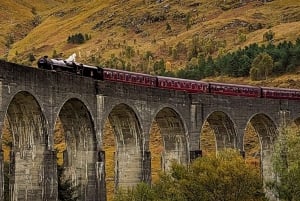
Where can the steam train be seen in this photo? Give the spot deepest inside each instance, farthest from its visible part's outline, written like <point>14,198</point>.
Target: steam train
<point>190,86</point>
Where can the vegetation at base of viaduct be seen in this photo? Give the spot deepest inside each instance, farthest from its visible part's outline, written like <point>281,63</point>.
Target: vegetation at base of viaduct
<point>224,176</point>
<point>66,190</point>
<point>286,160</point>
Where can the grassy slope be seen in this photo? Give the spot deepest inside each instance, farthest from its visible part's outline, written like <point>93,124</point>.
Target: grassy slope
<point>121,18</point>
<point>63,18</point>
<point>16,17</point>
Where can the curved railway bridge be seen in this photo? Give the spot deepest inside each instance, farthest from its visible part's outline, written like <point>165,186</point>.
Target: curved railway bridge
<point>33,101</point>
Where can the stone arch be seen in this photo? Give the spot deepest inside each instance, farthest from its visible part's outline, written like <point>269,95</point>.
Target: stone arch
<point>80,159</point>
<point>174,137</point>
<point>129,144</point>
<point>27,165</point>
<point>267,131</point>
<point>224,130</point>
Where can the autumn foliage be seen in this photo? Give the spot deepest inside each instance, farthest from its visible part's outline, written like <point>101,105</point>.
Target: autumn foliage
<point>220,177</point>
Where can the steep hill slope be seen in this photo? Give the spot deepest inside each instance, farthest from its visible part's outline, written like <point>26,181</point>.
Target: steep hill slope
<point>140,32</point>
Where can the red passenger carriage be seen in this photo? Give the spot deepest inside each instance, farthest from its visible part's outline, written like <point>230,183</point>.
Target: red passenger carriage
<point>129,77</point>
<point>280,93</point>
<point>234,89</point>
<point>191,86</point>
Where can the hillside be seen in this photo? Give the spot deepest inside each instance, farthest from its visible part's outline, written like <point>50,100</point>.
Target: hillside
<point>139,33</point>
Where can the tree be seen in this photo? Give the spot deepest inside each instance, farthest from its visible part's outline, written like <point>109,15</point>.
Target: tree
<point>76,39</point>
<point>193,63</point>
<point>66,190</point>
<point>286,162</point>
<point>159,67</point>
<point>37,19</point>
<point>209,67</point>
<point>9,40</point>
<point>268,36</point>
<point>258,61</point>
<point>168,27</point>
<point>241,37</point>
<point>31,57</point>
<point>33,10</point>
<point>225,177</point>
<point>6,181</point>
<point>54,54</point>
<point>194,47</point>
<point>142,192</point>
<point>129,52</point>
<point>245,65</point>
<point>261,66</point>
<point>87,36</point>
<point>188,21</point>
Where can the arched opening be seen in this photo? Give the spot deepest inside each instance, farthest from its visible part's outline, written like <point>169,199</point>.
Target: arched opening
<point>252,147</point>
<point>126,130</point>
<point>7,165</point>
<point>267,133</point>
<point>207,140</point>
<point>76,145</point>
<point>24,141</point>
<point>217,133</point>
<point>169,125</point>
<point>156,148</point>
<point>110,148</point>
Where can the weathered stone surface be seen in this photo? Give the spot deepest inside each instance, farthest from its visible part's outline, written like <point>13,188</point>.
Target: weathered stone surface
<point>33,100</point>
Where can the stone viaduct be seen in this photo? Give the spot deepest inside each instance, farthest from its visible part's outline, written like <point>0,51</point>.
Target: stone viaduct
<point>32,101</point>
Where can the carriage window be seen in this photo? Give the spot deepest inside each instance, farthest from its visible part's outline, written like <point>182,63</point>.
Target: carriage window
<point>121,76</point>
<point>142,79</point>
<point>108,74</point>
<point>127,77</point>
<point>153,81</point>
<point>115,75</point>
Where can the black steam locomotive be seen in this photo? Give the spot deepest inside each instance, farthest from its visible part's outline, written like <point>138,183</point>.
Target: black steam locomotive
<point>70,65</point>
<point>190,86</point>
